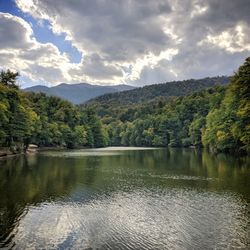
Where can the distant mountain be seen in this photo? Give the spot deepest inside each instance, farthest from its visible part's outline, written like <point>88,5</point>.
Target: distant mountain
<point>156,91</point>
<point>78,93</point>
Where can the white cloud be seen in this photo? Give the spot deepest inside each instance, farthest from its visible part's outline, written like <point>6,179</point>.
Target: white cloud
<point>232,40</point>
<point>21,51</point>
<point>198,10</point>
<point>129,41</point>
<point>128,34</point>
<point>43,61</point>
<point>151,61</point>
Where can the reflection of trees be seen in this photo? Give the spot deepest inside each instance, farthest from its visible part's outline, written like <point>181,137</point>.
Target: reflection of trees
<point>90,172</point>
<point>210,171</point>
<point>37,178</point>
<point>232,173</point>
<point>31,180</point>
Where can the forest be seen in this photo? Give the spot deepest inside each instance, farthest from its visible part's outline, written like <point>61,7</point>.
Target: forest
<point>45,121</point>
<point>154,92</point>
<point>217,118</point>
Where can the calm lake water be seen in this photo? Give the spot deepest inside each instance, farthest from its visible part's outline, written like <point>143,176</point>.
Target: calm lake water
<point>117,198</point>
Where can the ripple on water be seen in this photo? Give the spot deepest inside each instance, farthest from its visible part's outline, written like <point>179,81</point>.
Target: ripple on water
<point>183,177</point>
<point>144,219</point>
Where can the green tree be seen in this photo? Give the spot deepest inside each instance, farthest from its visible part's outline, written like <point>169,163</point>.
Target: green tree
<point>227,127</point>
<point>195,130</point>
<point>81,135</point>
<point>9,78</point>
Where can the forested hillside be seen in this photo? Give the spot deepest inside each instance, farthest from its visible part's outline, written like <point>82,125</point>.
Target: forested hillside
<point>217,118</point>
<point>157,91</point>
<point>177,123</point>
<point>46,121</point>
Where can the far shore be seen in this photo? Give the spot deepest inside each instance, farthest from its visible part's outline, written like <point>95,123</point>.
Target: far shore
<point>7,153</point>
<point>33,149</point>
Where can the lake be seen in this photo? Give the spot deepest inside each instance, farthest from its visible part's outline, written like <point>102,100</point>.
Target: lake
<point>125,198</point>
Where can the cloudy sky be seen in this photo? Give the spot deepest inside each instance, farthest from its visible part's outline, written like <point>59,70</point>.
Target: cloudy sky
<point>136,42</point>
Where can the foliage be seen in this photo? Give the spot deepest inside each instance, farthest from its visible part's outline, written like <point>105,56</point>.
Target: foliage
<point>228,126</point>
<point>217,117</point>
<point>157,92</point>
<point>46,121</point>
<point>177,123</point>
<point>158,115</point>
<point>8,78</point>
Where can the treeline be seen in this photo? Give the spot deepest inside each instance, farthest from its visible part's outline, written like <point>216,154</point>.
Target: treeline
<point>217,118</point>
<point>46,121</point>
<point>177,123</point>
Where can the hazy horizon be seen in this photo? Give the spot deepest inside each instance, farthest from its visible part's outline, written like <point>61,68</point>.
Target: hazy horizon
<point>111,85</point>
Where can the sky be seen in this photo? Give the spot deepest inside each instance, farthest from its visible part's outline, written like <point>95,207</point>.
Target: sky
<point>135,42</point>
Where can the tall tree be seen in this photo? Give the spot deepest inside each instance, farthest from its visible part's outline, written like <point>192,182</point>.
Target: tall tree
<point>9,78</point>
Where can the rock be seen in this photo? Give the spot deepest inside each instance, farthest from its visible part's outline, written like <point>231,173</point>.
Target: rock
<point>32,148</point>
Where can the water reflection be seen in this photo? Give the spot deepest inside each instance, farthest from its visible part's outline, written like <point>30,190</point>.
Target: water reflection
<point>151,199</point>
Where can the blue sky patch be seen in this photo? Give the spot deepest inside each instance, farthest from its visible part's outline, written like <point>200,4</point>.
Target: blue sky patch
<point>43,33</point>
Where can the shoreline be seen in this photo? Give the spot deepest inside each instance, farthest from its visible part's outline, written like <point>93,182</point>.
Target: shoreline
<point>5,153</point>
<point>2,157</point>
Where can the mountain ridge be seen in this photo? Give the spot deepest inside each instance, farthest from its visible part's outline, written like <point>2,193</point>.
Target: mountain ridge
<point>122,94</point>
<point>155,91</point>
<point>78,93</point>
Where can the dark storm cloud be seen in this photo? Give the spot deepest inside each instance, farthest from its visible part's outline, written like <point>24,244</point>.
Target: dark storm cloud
<point>226,13</point>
